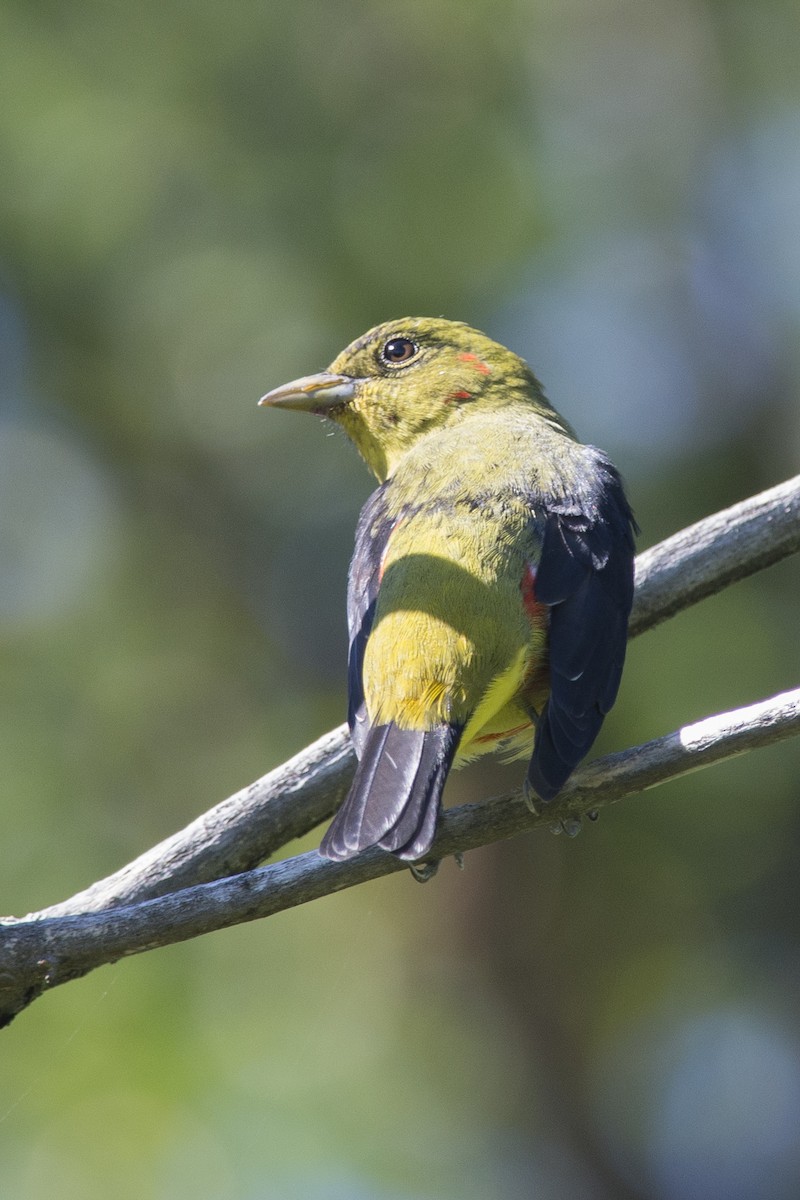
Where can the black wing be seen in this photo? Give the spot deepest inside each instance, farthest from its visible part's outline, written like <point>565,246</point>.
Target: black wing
<point>585,576</point>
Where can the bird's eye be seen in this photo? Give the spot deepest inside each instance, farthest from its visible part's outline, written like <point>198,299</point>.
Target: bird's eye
<point>399,350</point>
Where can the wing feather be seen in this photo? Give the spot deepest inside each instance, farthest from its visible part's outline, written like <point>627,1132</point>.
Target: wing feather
<point>396,794</point>
<point>585,576</point>
<point>372,537</point>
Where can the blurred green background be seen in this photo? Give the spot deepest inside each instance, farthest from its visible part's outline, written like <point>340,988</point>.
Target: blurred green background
<point>197,202</point>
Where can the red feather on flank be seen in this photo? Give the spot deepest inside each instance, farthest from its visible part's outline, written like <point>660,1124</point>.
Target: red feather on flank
<point>533,607</point>
<point>485,738</point>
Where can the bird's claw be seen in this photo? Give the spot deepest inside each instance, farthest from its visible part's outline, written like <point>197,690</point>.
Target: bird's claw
<point>425,870</point>
<point>532,801</point>
<point>571,826</point>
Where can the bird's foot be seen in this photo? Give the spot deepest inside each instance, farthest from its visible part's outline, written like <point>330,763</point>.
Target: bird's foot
<point>571,826</point>
<point>424,870</point>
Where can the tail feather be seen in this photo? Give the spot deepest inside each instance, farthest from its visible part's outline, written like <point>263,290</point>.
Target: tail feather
<point>395,797</point>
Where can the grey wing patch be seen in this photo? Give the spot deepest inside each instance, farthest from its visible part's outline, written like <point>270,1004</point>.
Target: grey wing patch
<point>585,577</point>
<point>372,535</point>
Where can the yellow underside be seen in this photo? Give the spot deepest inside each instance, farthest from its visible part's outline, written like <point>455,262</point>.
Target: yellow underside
<point>499,723</point>
<point>452,640</point>
<point>420,672</point>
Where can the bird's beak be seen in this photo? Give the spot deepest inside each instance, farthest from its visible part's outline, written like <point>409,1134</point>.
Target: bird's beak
<point>313,393</point>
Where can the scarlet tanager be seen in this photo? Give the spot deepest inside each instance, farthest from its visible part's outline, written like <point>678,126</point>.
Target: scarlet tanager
<point>492,579</point>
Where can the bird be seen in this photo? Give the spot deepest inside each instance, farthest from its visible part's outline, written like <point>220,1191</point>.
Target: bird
<point>491,582</point>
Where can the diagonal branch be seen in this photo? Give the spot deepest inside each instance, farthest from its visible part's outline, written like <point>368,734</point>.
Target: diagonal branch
<point>250,826</point>
<point>39,954</point>
<point>706,557</point>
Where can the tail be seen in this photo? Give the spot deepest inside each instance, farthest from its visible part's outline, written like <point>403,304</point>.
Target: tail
<point>396,793</point>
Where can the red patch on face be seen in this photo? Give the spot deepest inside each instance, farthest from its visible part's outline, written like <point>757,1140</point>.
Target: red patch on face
<point>478,364</point>
<point>533,607</point>
<point>460,396</point>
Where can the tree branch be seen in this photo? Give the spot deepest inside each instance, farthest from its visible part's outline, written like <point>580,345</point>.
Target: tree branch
<point>68,939</point>
<point>236,834</point>
<point>719,550</point>
<point>40,953</point>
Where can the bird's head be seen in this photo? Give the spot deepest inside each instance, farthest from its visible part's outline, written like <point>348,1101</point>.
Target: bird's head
<point>404,378</point>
